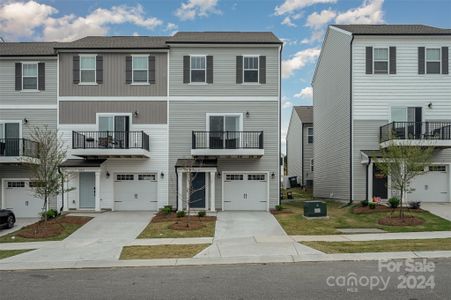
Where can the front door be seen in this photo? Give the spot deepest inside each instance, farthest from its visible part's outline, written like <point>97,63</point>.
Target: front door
<point>87,190</point>
<point>379,183</point>
<point>11,134</point>
<point>197,197</point>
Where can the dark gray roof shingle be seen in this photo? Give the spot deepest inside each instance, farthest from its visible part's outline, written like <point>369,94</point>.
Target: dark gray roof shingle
<point>27,49</point>
<point>402,29</point>
<point>225,37</point>
<point>305,113</point>
<point>117,42</point>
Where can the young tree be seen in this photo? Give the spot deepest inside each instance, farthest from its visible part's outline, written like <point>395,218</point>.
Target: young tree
<point>404,163</point>
<point>49,154</point>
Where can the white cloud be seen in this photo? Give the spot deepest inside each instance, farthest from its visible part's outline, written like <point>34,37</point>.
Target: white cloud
<point>370,12</point>
<point>306,92</point>
<point>286,103</point>
<point>317,20</point>
<point>298,61</point>
<point>317,35</point>
<point>287,21</point>
<point>197,8</point>
<point>14,15</point>
<point>289,6</point>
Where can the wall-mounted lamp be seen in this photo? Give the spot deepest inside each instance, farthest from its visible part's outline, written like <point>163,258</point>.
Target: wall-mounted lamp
<point>430,105</point>
<point>247,114</point>
<point>219,174</point>
<point>162,175</point>
<point>25,121</point>
<point>136,113</point>
<point>273,175</point>
<point>107,174</point>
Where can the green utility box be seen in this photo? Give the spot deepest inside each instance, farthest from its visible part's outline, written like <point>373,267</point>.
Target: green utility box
<point>314,209</point>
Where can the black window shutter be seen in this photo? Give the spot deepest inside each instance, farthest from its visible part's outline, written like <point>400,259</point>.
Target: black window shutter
<point>99,69</point>
<point>445,63</point>
<point>392,60</point>
<point>76,69</point>
<point>239,69</point>
<point>209,69</point>
<point>41,76</point>
<point>128,69</point>
<point>262,71</point>
<point>18,76</point>
<point>186,69</point>
<point>420,60</point>
<point>369,60</point>
<point>152,69</point>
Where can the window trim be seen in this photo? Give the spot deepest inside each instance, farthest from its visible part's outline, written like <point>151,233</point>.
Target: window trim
<point>37,76</point>
<point>406,108</point>
<point>204,69</point>
<point>147,77</point>
<point>387,61</point>
<point>98,115</point>
<point>310,135</point>
<point>426,60</point>
<point>208,115</point>
<point>258,70</point>
<point>95,70</point>
<point>12,121</point>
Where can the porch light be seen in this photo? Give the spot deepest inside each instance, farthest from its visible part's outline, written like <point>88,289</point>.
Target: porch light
<point>25,121</point>
<point>162,175</point>
<point>136,113</point>
<point>273,175</point>
<point>107,174</point>
<point>247,114</point>
<point>430,105</point>
<point>219,174</point>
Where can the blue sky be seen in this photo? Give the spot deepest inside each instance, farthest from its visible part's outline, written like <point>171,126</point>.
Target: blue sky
<point>300,23</point>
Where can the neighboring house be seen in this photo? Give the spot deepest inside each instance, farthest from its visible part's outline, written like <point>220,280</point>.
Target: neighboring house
<point>376,84</point>
<point>300,145</point>
<point>27,100</point>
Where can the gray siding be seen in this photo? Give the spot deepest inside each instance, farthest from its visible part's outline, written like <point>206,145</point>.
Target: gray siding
<point>8,94</point>
<point>35,117</point>
<point>113,78</point>
<point>294,146</point>
<point>84,112</point>
<point>224,73</point>
<point>308,155</point>
<point>331,99</point>
<point>188,116</point>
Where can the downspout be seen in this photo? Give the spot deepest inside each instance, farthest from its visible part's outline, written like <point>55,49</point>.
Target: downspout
<point>62,193</point>
<point>176,189</point>
<point>367,178</point>
<point>302,155</point>
<point>350,124</point>
<point>280,120</point>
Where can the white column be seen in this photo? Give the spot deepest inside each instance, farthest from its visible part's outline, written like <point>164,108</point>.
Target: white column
<point>370,181</point>
<point>188,188</point>
<point>449,182</point>
<point>97,196</point>
<point>212,191</point>
<point>179,191</point>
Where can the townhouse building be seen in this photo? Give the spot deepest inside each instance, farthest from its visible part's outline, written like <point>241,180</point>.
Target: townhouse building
<point>375,85</point>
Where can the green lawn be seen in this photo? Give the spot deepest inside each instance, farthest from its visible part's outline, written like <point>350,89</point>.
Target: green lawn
<point>9,253</point>
<point>382,246</point>
<point>342,217</point>
<point>298,193</point>
<point>162,230</point>
<point>161,251</point>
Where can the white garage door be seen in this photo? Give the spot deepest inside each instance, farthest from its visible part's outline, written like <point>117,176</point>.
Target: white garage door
<point>135,191</point>
<point>431,186</point>
<point>245,191</point>
<point>19,198</point>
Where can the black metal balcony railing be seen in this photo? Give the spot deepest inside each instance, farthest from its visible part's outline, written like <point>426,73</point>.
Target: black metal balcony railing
<point>227,140</point>
<point>18,147</point>
<point>415,131</point>
<point>110,140</point>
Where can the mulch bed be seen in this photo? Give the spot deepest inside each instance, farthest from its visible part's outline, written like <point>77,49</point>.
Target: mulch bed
<point>379,208</point>
<point>397,221</point>
<point>53,227</point>
<point>162,217</point>
<point>281,212</point>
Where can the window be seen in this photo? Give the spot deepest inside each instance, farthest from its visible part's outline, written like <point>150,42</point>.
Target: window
<point>437,168</point>
<point>310,135</point>
<point>234,177</point>
<point>198,68</point>
<point>34,184</point>
<point>140,69</point>
<point>125,177</point>
<point>87,68</point>
<point>311,165</point>
<point>258,177</point>
<point>29,76</point>
<point>151,177</point>
<point>16,184</point>
<point>224,131</point>
<point>433,61</point>
<point>380,60</point>
<point>250,69</point>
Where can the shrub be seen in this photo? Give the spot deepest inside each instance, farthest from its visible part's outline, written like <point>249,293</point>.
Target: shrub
<point>168,207</point>
<point>166,210</point>
<point>202,214</point>
<point>372,205</point>
<point>414,204</point>
<point>51,213</point>
<point>394,202</point>
<point>279,207</point>
<point>364,203</point>
<point>181,214</point>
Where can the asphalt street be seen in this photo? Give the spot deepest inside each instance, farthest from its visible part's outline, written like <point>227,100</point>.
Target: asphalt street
<point>401,279</point>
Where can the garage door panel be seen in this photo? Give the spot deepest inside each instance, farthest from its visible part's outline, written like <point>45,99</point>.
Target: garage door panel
<point>135,192</point>
<point>244,191</point>
<point>19,198</point>
<point>430,187</point>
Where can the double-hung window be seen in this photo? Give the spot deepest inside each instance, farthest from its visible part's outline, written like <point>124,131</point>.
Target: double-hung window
<point>29,76</point>
<point>433,61</point>
<point>87,69</point>
<point>250,69</point>
<point>380,60</point>
<point>140,69</point>
<point>198,68</point>
<point>310,135</point>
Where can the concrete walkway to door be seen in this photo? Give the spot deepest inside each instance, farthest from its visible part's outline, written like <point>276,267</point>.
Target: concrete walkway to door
<point>249,233</point>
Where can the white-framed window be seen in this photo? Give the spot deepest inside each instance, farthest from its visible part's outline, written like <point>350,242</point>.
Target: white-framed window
<point>310,135</point>
<point>29,76</point>
<point>87,69</point>
<point>10,129</point>
<point>233,177</point>
<point>16,184</point>
<point>380,60</point>
<point>140,68</point>
<point>437,168</point>
<point>250,69</point>
<point>256,177</point>
<point>150,177</point>
<point>433,61</point>
<point>311,165</point>
<point>198,68</point>
<point>125,177</point>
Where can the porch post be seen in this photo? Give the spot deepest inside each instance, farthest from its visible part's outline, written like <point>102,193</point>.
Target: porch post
<point>370,182</point>
<point>449,182</point>
<point>212,191</point>
<point>179,191</point>
<point>97,195</point>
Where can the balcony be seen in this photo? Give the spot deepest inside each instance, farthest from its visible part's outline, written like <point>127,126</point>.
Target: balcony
<point>14,150</point>
<point>423,134</point>
<point>236,144</point>
<point>109,144</point>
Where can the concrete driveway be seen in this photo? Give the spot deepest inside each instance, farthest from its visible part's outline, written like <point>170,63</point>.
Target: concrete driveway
<point>20,222</point>
<point>442,210</point>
